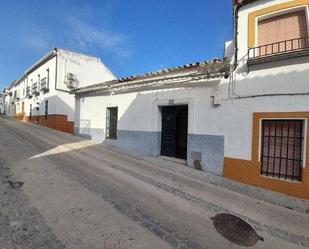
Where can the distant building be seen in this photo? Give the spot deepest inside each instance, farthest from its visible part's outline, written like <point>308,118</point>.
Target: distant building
<point>42,96</point>
<point>244,117</point>
<point>1,104</point>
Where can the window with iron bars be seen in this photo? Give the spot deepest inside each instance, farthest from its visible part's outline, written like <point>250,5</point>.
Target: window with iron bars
<point>282,143</point>
<point>111,122</point>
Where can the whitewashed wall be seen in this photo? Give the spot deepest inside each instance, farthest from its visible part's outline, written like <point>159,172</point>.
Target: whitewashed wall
<point>139,121</point>
<point>50,95</point>
<point>87,69</point>
<point>289,76</point>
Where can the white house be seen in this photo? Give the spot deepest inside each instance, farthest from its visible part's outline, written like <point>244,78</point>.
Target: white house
<point>41,95</point>
<point>266,121</point>
<point>1,103</point>
<point>7,102</point>
<point>245,117</point>
<point>141,113</point>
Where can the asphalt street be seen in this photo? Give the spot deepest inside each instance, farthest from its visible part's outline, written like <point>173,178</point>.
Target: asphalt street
<point>90,196</point>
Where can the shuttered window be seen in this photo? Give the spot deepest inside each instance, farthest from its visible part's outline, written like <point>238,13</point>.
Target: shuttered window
<point>111,122</point>
<point>283,31</point>
<point>282,149</point>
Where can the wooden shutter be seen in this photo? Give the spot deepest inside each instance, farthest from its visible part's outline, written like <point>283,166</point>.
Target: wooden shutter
<point>281,30</point>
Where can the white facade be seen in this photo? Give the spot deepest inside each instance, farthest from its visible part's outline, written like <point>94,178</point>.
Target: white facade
<point>222,112</point>
<point>279,86</point>
<point>51,75</point>
<point>140,112</point>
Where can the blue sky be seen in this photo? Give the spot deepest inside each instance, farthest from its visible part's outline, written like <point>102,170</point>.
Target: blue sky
<point>130,37</point>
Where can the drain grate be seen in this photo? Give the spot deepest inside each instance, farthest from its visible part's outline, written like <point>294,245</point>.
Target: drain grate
<point>236,230</point>
<point>15,185</point>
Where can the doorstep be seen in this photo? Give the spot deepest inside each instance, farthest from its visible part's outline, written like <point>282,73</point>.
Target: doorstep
<point>173,159</point>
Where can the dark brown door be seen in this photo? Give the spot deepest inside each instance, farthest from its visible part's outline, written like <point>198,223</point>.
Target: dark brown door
<point>182,133</point>
<point>174,131</point>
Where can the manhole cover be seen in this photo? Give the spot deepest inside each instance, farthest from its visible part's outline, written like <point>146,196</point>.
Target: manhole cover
<point>236,230</point>
<point>16,185</point>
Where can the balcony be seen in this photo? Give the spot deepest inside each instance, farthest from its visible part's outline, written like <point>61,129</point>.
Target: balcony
<point>280,50</point>
<point>44,84</point>
<point>35,89</point>
<point>16,95</point>
<point>28,92</point>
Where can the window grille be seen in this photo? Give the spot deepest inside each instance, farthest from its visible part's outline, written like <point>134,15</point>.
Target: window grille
<point>111,122</point>
<point>282,149</point>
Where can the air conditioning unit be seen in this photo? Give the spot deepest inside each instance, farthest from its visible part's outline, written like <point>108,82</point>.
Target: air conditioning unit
<point>70,81</point>
<point>217,99</point>
<point>70,76</point>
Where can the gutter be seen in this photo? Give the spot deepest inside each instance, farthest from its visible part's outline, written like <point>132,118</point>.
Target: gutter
<point>49,56</point>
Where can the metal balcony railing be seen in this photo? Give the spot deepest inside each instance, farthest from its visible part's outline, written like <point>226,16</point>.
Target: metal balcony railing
<point>44,84</point>
<point>282,47</point>
<point>28,91</point>
<point>16,95</point>
<point>35,88</point>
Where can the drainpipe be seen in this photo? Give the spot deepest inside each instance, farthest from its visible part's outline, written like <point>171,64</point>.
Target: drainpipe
<point>235,64</point>
<point>236,16</point>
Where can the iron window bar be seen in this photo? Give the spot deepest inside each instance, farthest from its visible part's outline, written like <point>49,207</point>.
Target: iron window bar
<point>281,155</point>
<point>44,85</point>
<point>35,88</point>
<point>111,122</point>
<point>287,46</point>
<point>28,91</point>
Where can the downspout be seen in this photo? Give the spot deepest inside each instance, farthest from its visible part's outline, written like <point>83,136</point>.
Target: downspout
<point>233,69</point>
<point>236,16</point>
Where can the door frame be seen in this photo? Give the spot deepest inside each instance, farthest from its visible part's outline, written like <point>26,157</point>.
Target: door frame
<point>158,103</point>
<point>178,104</point>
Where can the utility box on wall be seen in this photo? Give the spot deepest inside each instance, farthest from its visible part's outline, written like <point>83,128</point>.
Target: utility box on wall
<point>217,99</point>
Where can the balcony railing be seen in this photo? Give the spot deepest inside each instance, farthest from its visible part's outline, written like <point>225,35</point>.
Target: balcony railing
<point>28,91</point>
<point>35,89</point>
<point>44,84</point>
<point>16,95</point>
<point>279,48</point>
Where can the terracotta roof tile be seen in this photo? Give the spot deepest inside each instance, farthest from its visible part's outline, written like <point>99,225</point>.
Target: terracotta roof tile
<point>210,67</point>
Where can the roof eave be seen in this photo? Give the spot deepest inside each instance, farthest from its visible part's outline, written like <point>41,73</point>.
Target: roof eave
<point>43,60</point>
<point>212,73</point>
